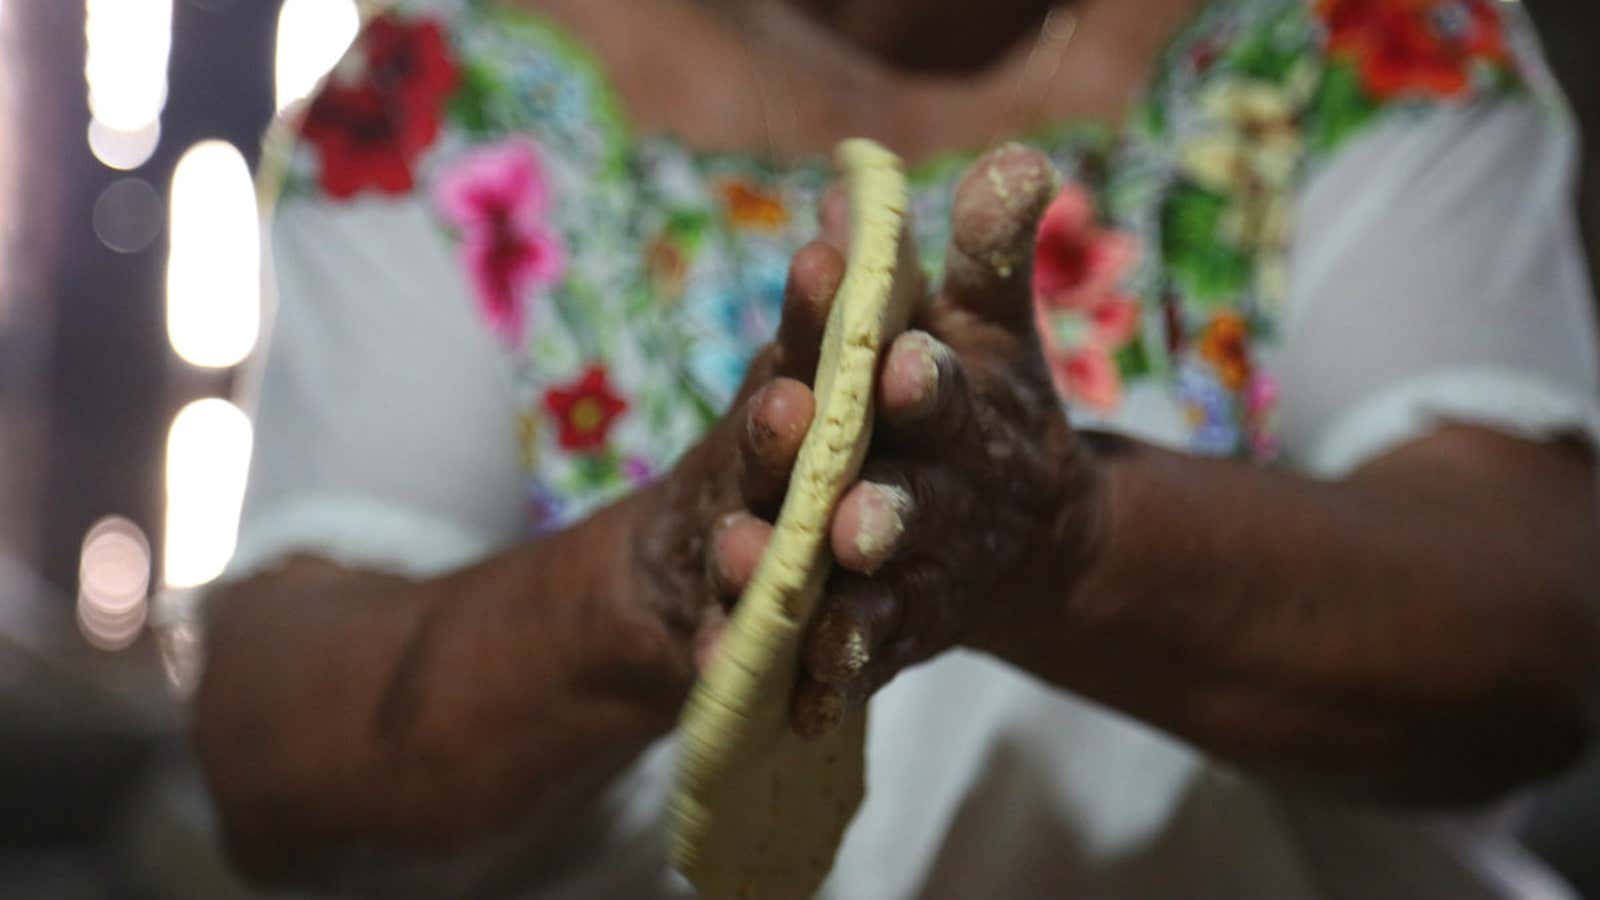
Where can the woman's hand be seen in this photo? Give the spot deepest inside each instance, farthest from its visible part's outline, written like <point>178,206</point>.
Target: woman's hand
<point>977,503</point>
<point>739,469</point>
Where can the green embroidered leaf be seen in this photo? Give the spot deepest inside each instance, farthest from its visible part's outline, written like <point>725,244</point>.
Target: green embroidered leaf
<point>1153,116</point>
<point>469,106</point>
<point>1261,56</point>
<point>688,227</point>
<point>1208,270</point>
<point>598,469</point>
<point>1340,108</point>
<point>1503,79</point>
<point>1132,360</point>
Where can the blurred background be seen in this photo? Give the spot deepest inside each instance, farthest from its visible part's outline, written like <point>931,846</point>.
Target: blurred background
<point>129,262</point>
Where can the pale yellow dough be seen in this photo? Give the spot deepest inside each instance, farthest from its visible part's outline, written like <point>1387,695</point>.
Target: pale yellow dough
<point>756,811</point>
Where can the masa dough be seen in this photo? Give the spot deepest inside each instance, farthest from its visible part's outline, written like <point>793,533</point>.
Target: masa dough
<point>758,812</point>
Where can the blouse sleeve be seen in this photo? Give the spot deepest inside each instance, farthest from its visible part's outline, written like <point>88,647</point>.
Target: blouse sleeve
<point>384,422</point>
<point>1437,276</point>
<point>385,417</point>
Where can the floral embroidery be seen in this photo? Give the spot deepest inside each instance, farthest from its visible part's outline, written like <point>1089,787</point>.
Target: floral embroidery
<point>1240,169</point>
<point>370,130</point>
<point>1082,316</point>
<point>749,207</point>
<point>667,267</point>
<point>1226,345</point>
<point>1260,414</point>
<point>1414,47</point>
<point>638,470</point>
<point>585,410</point>
<point>528,439</point>
<point>1210,409</point>
<point>632,307</point>
<point>498,199</point>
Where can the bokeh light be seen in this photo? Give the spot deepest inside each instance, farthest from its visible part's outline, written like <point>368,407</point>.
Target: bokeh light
<point>214,262</point>
<point>113,583</point>
<point>208,457</point>
<point>127,215</point>
<point>129,43</point>
<point>312,36</point>
<point>123,150</point>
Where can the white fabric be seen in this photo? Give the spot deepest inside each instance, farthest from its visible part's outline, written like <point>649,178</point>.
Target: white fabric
<point>386,429</point>
<point>1436,277</point>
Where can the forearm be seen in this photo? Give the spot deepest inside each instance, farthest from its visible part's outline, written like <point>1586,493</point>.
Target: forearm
<point>1413,633</point>
<point>346,711</point>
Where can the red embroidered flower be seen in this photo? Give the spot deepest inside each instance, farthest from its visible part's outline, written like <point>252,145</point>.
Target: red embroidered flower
<point>1414,47</point>
<point>585,410</point>
<point>369,131</point>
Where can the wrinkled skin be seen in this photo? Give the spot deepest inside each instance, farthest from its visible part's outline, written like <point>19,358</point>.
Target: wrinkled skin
<point>976,501</point>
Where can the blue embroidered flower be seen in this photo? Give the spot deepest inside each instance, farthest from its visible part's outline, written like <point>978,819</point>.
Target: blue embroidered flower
<point>727,326</point>
<point>1210,408</point>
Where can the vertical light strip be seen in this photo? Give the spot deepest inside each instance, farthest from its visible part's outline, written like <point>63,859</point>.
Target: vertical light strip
<point>129,43</point>
<point>312,36</point>
<point>208,458</point>
<point>214,266</point>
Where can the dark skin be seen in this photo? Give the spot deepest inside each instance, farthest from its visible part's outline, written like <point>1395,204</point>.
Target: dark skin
<point>1422,632</point>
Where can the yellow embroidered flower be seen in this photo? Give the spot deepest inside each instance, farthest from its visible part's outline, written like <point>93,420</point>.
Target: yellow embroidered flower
<point>1255,140</point>
<point>528,440</point>
<point>1248,156</point>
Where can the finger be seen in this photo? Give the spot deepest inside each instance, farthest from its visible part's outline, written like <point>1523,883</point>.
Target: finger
<point>857,619</point>
<point>816,710</point>
<point>737,542</point>
<point>833,215</point>
<point>814,277</point>
<point>926,397</point>
<point>869,525</point>
<point>989,264</point>
<point>901,516</point>
<point>708,638</point>
<point>922,383</point>
<point>776,421</point>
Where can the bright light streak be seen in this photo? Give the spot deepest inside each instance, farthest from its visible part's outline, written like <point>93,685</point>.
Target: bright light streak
<point>312,36</point>
<point>214,264</point>
<point>113,583</point>
<point>208,457</point>
<point>129,42</point>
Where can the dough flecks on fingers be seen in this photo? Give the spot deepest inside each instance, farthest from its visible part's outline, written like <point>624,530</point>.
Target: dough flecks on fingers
<point>756,811</point>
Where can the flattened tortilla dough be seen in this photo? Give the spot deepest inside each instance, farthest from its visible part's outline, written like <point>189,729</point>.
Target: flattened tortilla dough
<point>756,811</point>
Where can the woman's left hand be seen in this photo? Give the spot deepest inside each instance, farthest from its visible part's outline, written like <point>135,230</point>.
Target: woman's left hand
<point>978,505</point>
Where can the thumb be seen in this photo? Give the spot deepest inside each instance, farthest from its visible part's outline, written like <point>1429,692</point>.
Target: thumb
<point>989,264</point>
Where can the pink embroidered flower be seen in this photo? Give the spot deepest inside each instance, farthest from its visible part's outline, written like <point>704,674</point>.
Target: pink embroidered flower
<point>498,197</point>
<point>1261,407</point>
<point>1082,314</point>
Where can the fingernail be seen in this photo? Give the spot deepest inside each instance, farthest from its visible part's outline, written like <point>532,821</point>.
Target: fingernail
<point>841,650</point>
<point>716,573</point>
<point>927,355</point>
<point>884,509</point>
<point>761,433</point>
<point>928,368</point>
